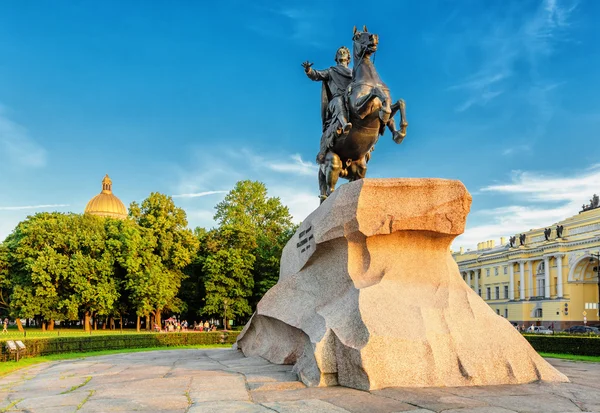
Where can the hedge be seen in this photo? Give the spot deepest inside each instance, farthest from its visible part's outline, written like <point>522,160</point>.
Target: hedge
<point>55,345</point>
<point>579,345</point>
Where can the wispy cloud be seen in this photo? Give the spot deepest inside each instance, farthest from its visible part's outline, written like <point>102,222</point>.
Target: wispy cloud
<point>539,200</point>
<point>16,146</point>
<point>44,206</point>
<point>515,44</point>
<point>295,166</point>
<point>198,194</point>
<point>516,149</point>
<point>305,25</point>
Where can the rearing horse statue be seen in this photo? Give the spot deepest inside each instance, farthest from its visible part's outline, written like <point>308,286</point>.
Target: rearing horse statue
<point>370,112</point>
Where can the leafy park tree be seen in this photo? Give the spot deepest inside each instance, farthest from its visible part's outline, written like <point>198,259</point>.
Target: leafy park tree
<point>175,247</point>
<point>248,209</point>
<point>59,268</point>
<point>227,269</point>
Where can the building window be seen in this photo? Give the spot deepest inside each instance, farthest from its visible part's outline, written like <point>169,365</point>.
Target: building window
<point>541,287</point>
<point>495,270</point>
<point>506,291</point>
<point>538,313</point>
<point>489,293</point>
<point>505,270</point>
<point>479,292</point>
<point>497,293</point>
<point>487,272</point>
<point>498,311</point>
<point>506,313</point>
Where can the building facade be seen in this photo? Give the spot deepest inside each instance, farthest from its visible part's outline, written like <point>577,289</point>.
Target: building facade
<point>545,276</point>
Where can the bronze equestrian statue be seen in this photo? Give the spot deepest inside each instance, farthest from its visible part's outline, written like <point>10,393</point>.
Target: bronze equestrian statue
<point>355,112</point>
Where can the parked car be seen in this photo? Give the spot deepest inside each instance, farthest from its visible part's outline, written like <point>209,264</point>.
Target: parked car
<point>539,330</point>
<point>582,330</point>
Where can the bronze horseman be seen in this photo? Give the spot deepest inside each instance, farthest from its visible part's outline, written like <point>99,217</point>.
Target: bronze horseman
<point>355,112</point>
<point>334,113</point>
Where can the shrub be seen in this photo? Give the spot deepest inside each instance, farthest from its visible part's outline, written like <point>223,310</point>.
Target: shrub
<point>55,345</point>
<point>579,345</point>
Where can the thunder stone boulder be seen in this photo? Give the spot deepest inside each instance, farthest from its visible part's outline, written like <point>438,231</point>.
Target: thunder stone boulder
<point>369,297</point>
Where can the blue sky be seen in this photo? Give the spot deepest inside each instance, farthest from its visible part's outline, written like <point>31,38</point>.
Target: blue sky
<point>187,98</point>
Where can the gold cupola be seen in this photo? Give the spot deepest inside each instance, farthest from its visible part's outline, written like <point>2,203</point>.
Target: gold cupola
<point>106,204</point>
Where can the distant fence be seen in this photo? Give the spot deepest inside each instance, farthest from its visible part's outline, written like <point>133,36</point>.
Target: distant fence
<point>57,345</point>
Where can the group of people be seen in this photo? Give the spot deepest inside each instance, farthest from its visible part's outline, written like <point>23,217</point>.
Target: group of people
<point>204,326</point>
<point>176,326</point>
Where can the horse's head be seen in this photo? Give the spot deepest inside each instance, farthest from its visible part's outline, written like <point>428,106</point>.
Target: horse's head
<point>365,43</point>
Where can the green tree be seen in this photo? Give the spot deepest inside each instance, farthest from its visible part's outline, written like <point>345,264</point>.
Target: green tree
<point>175,247</point>
<point>249,209</point>
<point>228,276</point>
<point>59,268</point>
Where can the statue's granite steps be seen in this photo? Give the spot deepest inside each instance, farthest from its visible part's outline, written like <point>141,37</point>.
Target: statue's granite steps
<point>369,297</point>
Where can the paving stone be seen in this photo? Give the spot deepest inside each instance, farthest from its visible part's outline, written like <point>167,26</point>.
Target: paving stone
<point>366,402</point>
<point>228,407</point>
<point>436,399</point>
<point>304,406</point>
<point>221,380</point>
<point>545,403</point>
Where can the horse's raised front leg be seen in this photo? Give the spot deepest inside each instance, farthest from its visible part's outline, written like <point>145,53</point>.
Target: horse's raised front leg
<point>398,135</point>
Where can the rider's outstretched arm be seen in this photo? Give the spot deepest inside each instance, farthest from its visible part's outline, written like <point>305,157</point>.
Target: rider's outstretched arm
<point>318,74</point>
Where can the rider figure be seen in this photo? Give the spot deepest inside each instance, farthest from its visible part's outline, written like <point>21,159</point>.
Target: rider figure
<point>335,80</point>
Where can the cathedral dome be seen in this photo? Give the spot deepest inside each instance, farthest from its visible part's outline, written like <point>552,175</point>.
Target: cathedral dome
<point>106,204</point>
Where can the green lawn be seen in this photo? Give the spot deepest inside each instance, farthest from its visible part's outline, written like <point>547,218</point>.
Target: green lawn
<point>14,334</point>
<point>574,357</point>
<point>10,366</point>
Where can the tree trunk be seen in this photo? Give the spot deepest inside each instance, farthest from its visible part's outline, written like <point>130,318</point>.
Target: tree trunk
<point>148,322</point>
<point>138,324</point>
<point>20,325</point>
<point>26,323</point>
<point>86,322</point>
<point>51,325</point>
<point>43,326</point>
<point>104,323</point>
<point>95,323</point>
<point>121,321</point>
<point>159,318</point>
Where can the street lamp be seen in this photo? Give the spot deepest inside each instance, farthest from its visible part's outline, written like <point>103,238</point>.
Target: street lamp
<point>597,257</point>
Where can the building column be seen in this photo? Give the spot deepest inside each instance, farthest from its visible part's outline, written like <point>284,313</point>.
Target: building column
<point>522,279</point>
<point>531,286</point>
<point>511,281</point>
<point>475,273</point>
<point>547,277</point>
<point>559,279</point>
<point>469,278</point>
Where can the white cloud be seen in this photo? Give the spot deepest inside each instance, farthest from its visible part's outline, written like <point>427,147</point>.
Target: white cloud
<point>507,45</point>
<point>300,201</point>
<point>43,206</point>
<point>198,194</point>
<point>542,200</point>
<point>295,166</point>
<point>17,146</point>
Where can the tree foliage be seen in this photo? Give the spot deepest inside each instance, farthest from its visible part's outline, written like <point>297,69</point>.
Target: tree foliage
<point>243,254</point>
<point>174,247</point>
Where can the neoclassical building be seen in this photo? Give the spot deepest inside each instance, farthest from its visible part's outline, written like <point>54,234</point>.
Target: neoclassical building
<point>545,276</point>
<point>106,204</point>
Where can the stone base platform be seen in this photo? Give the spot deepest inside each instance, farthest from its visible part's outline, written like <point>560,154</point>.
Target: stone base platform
<point>224,381</point>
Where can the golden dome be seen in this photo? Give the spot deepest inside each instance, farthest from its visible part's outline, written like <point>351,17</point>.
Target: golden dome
<point>106,204</point>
